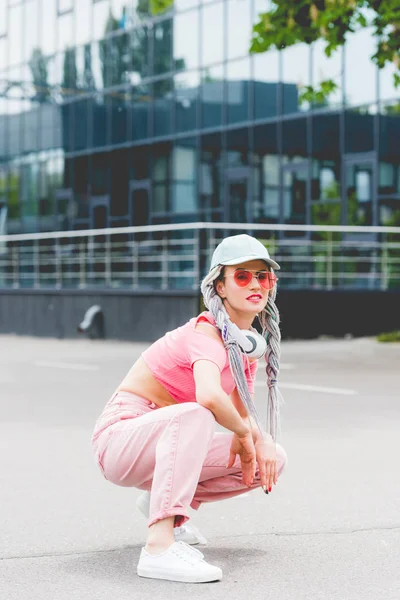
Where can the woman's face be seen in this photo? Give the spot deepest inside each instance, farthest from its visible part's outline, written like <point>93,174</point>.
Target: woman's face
<point>249,300</point>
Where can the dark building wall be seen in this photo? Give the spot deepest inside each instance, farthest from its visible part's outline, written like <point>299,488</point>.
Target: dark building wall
<point>136,317</point>
<point>144,317</point>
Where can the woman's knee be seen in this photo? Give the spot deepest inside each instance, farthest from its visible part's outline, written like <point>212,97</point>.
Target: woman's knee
<point>198,415</point>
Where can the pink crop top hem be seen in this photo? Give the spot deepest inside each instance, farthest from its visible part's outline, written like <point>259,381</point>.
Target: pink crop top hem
<point>171,360</point>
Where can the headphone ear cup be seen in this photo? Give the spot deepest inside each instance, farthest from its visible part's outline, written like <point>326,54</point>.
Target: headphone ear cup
<point>251,342</point>
<point>258,342</point>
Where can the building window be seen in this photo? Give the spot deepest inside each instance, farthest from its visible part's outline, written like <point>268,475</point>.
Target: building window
<point>3,18</point>
<point>184,175</point>
<point>64,6</point>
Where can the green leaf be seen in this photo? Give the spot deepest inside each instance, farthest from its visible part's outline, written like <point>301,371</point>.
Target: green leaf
<point>160,6</point>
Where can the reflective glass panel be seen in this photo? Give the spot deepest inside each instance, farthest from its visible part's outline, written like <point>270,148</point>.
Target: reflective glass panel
<point>185,4</point>
<point>3,17</point>
<point>295,76</point>
<point>140,98</point>
<point>186,40</point>
<point>210,187</point>
<point>212,96</point>
<point>31,28</point>
<point>213,32</point>
<point>65,35</point>
<point>163,106</point>
<point>15,35</point>
<point>83,18</point>
<point>162,47</point>
<point>117,116</point>
<point>48,22</point>
<point>324,69</point>
<point>266,78</point>
<point>267,207</point>
<point>389,95</point>
<point>184,173</point>
<point>359,189</point>
<point>98,64</point>
<point>239,28</point>
<point>237,90</point>
<point>65,5</point>
<point>358,131</point>
<point>360,71</point>
<point>3,54</point>
<point>102,21</point>
<point>139,56</point>
<point>186,100</point>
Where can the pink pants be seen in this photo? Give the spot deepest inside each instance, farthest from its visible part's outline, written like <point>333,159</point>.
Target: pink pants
<point>172,451</point>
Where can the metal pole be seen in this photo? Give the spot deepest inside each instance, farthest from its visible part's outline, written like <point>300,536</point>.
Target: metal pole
<point>329,266</point>
<point>82,264</point>
<point>107,262</point>
<point>36,264</point>
<point>164,264</point>
<point>197,249</point>
<point>15,262</point>
<point>58,264</point>
<point>135,264</point>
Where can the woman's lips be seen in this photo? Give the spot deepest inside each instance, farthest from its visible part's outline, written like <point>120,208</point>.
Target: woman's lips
<point>256,298</point>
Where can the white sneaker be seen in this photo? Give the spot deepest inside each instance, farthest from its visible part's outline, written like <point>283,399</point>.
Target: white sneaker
<point>187,533</point>
<point>179,563</point>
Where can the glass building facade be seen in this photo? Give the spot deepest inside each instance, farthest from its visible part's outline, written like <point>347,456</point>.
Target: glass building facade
<point>109,117</point>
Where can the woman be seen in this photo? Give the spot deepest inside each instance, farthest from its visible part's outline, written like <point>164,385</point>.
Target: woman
<point>157,432</point>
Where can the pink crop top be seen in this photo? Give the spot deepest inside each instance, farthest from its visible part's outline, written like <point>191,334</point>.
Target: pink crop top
<point>171,360</point>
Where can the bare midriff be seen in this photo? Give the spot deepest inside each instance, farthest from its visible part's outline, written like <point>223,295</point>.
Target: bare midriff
<point>141,381</point>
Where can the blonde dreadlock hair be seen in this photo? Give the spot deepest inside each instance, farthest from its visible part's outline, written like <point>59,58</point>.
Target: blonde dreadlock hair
<point>269,321</point>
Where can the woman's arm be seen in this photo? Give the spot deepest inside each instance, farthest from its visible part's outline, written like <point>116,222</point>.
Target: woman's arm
<point>210,394</point>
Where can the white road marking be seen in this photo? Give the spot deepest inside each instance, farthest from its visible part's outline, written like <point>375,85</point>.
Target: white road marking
<point>312,388</point>
<point>62,365</point>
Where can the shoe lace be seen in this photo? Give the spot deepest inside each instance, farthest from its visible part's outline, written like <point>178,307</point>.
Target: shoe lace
<point>191,555</point>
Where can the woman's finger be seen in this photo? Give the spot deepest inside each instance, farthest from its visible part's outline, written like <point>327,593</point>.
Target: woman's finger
<point>268,473</point>
<point>263,473</point>
<point>231,461</point>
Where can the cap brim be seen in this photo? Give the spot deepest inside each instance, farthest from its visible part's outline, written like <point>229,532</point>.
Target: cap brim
<point>242,259</point>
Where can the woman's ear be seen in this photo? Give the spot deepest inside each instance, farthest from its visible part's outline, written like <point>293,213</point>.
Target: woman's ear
<point>219,287</point>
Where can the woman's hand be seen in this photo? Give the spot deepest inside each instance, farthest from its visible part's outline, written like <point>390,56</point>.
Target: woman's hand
<point>244,447</point>
<point>266,460</point>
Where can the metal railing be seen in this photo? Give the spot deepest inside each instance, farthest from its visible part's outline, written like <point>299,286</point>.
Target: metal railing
<point>176,257</point>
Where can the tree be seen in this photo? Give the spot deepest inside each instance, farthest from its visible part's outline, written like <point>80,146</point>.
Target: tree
<point>290,22</point>
<point>306,21</point>
<point>38,65</point>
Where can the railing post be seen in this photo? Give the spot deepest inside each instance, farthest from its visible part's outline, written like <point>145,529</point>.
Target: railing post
<point>58,263</point>
<point>329,266</point>
<point>15,263</point>
<point>82,264</point>
<point>135,264</point>
<point>164,263</point>
<point>91,260</point>
<point>107,261</point>
<point>384,264</point>
<point>36,266</point>
<point>197,255</point>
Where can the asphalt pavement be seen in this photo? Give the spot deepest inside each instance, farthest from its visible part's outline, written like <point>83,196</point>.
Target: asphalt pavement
<point>329,531</point>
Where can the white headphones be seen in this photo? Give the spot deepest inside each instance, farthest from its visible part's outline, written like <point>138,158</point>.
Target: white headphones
<point>250,341</point>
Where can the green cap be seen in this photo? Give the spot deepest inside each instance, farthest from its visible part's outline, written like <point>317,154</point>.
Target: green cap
<point>237,249</point>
